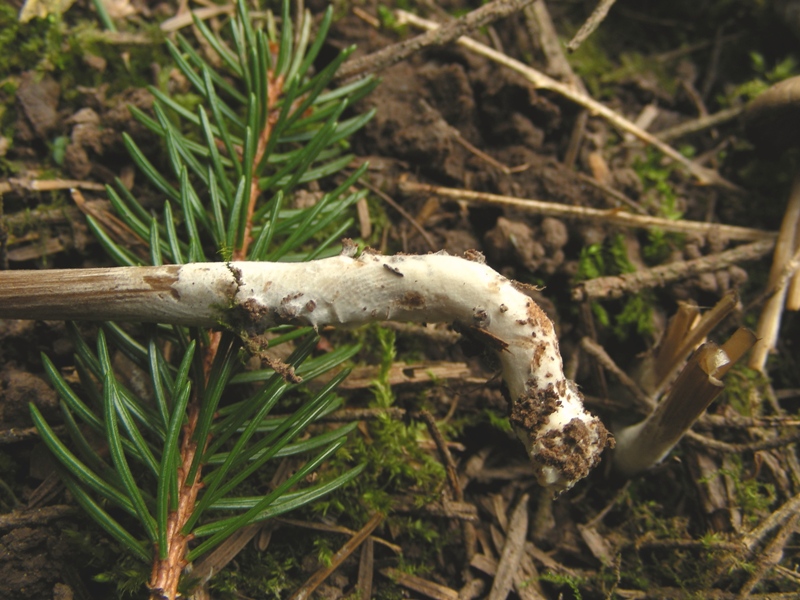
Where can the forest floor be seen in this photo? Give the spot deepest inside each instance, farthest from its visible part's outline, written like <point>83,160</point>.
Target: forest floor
<point>716,519</point>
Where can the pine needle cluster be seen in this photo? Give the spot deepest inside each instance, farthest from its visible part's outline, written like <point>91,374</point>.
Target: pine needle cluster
<point>160,471</point>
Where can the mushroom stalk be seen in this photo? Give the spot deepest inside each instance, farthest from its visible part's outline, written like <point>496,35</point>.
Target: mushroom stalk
<point>563,441</point>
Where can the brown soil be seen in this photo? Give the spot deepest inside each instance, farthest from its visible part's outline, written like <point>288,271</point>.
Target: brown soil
<point>671,533</point>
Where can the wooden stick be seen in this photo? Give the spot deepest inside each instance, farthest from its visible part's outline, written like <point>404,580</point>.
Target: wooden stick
<point>386,57</point>
<point>616,286</point>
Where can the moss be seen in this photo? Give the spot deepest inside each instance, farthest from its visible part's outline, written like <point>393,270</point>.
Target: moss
<point>754,497</point>
<point>633,65</point>
<point>764,77</point>
<point>31,45</point>
<point>743,388</point>
<point>631,316</point>
<point>562,583</point>
<point>396,464</point>
<point>272,574</point>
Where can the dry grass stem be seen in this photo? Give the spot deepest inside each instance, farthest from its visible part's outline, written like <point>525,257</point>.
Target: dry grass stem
<point>790,274</point>
<point>696,335</point>
<point>223,554</point>
<point>37,516</point>
<point>366,569</point>
<point>596,351</point>
<point>614,217</point>
<point>770,320</point>
<point>47,185</point>
<point>698,384</point>
<point>336,529</point>
<point>541,81</point>
<point>21,434</point>
<point>184,19</point>
<point>642,445</point>
<point>427,588</point>
<point>617,286</point>
<point>403,213</point>
<point>699,124</point>
<point>344,552</point>
<point>541,28</point>
<point>444,453</point>
<point>709,443</point>
<point>512,553</point>
<point>677,329</point>
<point>770,556</point>
<point>612,193</point>
<point>736,347</point>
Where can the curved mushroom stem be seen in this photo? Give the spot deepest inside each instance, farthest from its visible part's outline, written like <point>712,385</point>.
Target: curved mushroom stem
<point>770,320</point>
<point>562,439</point>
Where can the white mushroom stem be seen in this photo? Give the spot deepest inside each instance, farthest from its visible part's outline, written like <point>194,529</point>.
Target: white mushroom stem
<point>562,439</point>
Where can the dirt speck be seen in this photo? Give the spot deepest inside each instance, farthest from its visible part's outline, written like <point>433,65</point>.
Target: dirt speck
<point>38,98</point>
<point>18,389</point>
<point>412,300</point>
<point>26,563</point>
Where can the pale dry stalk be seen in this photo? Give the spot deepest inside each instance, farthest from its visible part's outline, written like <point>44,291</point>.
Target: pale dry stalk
<point>793,295</point>
<point>614,217</point>
<point>646,443</point>
<point>393,54</point>
<point>770,320</point>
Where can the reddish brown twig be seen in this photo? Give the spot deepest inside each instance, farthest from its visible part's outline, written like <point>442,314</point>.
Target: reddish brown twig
<point>166,573</point>
<point>275,87</point>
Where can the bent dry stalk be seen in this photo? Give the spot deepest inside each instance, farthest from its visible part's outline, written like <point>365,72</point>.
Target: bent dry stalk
<point>563,441</point>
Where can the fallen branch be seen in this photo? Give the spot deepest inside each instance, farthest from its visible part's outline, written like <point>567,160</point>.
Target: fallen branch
<point>562,439</point>
<point>699,124</point>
